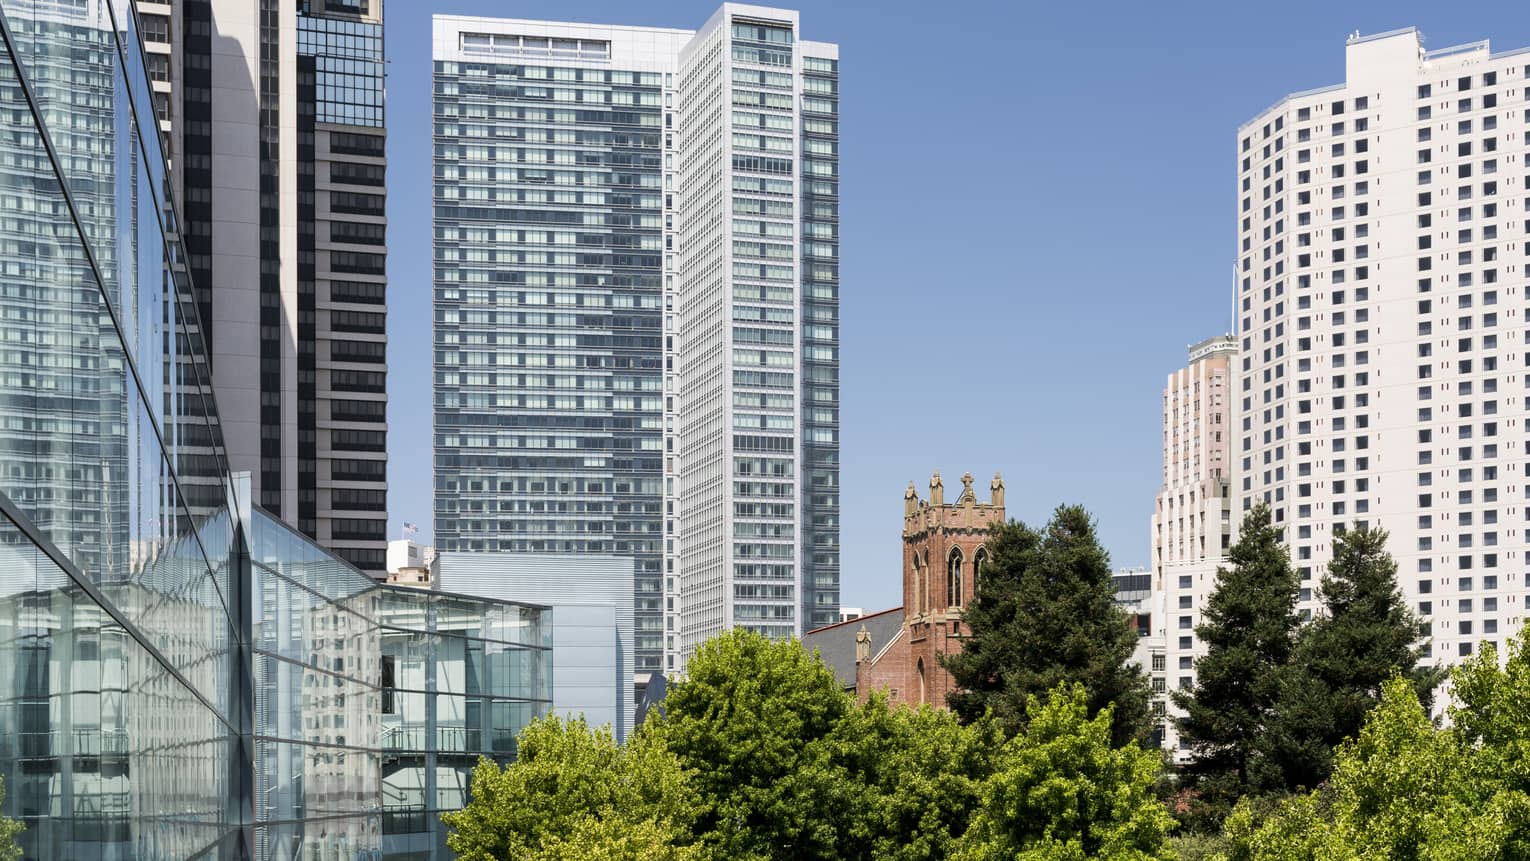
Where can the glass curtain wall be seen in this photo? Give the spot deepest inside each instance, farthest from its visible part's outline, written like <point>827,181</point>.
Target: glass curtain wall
<point>121,644</point>
<point>820,341</point>
<point>374,702</point>
<point>178,680</point>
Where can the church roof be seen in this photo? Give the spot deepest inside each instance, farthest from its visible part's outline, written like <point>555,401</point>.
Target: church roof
<point>836,643</point>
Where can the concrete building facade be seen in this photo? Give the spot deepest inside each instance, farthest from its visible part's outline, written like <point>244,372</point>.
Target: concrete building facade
<point>758,401</point>
<point>1382,325</point>
<point>274,114</point>
<point>1193,516</point>
<point>1144,602</point>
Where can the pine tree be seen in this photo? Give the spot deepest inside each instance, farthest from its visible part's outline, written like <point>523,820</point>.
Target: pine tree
<point>1364,635</point>
<point>1046,615</point>
<point>1249,629</point>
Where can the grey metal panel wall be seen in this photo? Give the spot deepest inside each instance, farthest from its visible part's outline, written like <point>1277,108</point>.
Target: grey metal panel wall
<point>592,658</point>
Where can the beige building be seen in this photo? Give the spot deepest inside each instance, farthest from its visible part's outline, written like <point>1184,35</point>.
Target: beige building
<point>1192,518</point>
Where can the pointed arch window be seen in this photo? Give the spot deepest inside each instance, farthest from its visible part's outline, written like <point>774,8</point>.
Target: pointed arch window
<point>924,581</point>
<point>954,578</point>
<point>979,562</point>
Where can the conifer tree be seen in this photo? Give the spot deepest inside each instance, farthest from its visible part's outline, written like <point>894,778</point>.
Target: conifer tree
<point>1249,627</point>
<point>1363,636</point>
<point>1045,615</point>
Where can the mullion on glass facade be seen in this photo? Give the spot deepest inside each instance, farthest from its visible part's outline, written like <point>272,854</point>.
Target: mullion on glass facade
<point>173,659</point>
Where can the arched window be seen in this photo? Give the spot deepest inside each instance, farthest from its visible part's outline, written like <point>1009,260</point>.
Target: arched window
<point>922,697</point>
<point>954,578</point>
<point>979,562</point>
<point>924,581</point>
<point>918,584</point>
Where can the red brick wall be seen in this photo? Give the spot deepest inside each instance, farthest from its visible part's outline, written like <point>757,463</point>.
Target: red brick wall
<point>887,673</point>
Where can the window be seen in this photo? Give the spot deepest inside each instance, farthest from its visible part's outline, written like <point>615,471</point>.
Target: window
<point>357,174</point>
<point>156,28</point>
<point>954,578</point>
<point>356,144</point>
<point>358,233</point>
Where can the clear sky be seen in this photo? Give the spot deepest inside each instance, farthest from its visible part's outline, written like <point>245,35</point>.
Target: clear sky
<point>1037,218</point>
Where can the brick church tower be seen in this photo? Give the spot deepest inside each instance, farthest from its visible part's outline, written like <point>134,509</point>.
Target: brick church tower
<point>943,558</point>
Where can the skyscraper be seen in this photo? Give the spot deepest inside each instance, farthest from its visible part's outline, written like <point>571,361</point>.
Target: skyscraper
<point>1192,519</point>
<point>602,242</point>
<point>758,192</point>
<point>1381,324</point>
<point>275,116</point>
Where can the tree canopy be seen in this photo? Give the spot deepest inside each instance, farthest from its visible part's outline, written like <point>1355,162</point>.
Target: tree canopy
<point>1406,788</point>
<point>1248,627</point>
<point>760,755</point>
<point>1045,615</point>
<point>572,789</point>
<point>1062,792</point>
<point>1364,635</point>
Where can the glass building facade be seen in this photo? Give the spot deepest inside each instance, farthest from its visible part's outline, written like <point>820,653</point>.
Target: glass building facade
<point>758,299</point>
<point>637,311</point>
<point>373,703</point>
<point>548,276</point>
<point>820,337</point>
<point>182,676</point>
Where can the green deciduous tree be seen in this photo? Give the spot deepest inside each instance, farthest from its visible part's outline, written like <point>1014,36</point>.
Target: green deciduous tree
<point>1044,615</point>
<point>1062,791</point>
<point>10,829</point>
<point>750,720</point>
<point>572,793</point>
<point>759,755</point>
<point>1407,789</point>
<point>921,775</point>
<point>1249,629</point>
<point>1364,635</point>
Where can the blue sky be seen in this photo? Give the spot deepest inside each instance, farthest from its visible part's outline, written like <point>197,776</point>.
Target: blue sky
<point>1037,218</point>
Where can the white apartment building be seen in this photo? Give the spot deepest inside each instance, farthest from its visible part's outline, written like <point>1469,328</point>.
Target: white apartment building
<point>1141,597</point>
<point>1381,373</point>
<point>1192,518</point>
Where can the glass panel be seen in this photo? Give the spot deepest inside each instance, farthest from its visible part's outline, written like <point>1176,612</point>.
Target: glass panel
<point>104,754</point>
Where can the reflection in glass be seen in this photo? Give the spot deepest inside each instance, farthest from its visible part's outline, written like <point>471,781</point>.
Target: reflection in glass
<point>169,667</point>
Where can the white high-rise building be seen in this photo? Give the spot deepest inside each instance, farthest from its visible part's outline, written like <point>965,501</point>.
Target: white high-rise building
<point>1382,328</point>
<point>757,306</point>
<point>636,311</point>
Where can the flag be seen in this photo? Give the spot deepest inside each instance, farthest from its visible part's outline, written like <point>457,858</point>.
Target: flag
<point>410,528</point>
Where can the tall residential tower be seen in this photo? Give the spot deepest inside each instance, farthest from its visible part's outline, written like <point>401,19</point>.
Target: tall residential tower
<point>1382,324</point>
<point>636,311</point>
